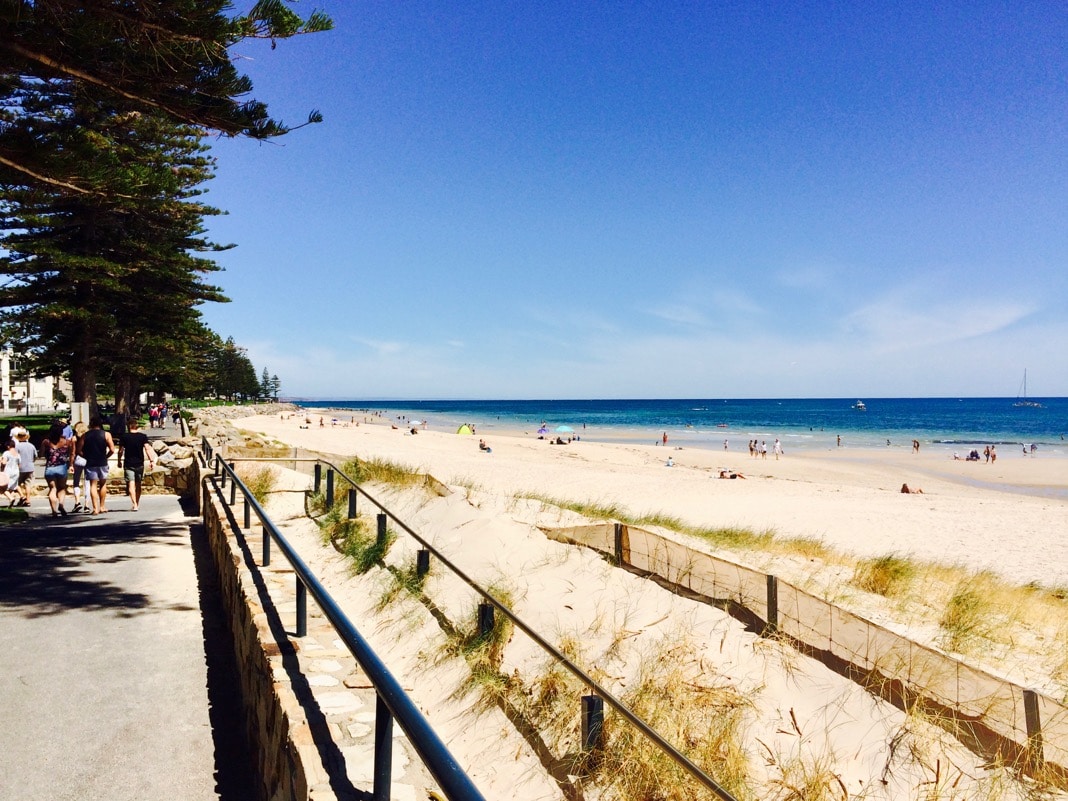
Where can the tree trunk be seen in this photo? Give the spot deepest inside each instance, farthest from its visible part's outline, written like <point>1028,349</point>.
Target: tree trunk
<point>123,388</point>
<point>83,384</point>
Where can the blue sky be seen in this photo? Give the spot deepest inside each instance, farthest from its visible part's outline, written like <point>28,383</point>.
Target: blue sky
<point>682,199</point>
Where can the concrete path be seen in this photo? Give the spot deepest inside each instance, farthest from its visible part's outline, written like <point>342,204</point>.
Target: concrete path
<point>114,681</point>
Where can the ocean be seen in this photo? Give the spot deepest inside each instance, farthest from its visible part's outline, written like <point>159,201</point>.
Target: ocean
<point>950,424</point>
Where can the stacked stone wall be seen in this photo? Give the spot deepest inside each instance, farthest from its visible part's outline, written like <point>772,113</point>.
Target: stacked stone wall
<point>273,717</point>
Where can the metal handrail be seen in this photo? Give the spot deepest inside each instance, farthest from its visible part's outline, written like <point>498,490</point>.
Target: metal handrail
<point>452,779</point>
<point>678,757</point>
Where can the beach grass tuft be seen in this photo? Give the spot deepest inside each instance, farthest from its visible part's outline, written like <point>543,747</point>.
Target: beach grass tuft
<point>383,471</point>
<point>357,538</point>
<point>704,718</point>
<point>260,481</point>
<point>968,613</point>
<point>484,651</point>
<point>407,580</point>
<point>889,576</point>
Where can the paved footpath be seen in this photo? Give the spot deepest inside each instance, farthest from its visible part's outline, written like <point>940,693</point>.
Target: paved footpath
<point>113,680</point>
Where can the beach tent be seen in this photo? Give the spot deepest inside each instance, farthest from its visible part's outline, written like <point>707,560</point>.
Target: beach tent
<point>565,429</point>
<point>464,429</point>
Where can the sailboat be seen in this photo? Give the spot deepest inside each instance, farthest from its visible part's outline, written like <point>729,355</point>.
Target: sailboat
<point>1021,399</point>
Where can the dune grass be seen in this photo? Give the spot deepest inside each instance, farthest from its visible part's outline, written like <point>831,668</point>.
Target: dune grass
<point>703,717</point>
<point>889,576</point>
<point>383,471</point>
<point>974,612</point>
<point>260,481</point>
<point>357,538</point>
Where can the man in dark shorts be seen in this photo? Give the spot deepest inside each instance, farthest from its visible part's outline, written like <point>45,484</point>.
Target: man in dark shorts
<point>134,451</point>
<point>96,446</point>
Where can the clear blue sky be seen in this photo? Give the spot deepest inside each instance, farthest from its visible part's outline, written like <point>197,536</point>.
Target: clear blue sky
<point>646,199</point>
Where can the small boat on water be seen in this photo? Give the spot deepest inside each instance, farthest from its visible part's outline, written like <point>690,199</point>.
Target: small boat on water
<point>1021,399</point>
<point>859,406</point>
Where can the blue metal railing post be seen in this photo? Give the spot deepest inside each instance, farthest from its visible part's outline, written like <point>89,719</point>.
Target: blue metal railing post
<point>422,562</point>
<point>302,608</point>
<point>233,492</point>
<point>592,722</point>
<point>485,619</point>
<point>382,531</point>
<point>248,514</point>
<point>352,504</point>
<point>266,560</point>
<point>329,488</point>
<point>383,767</point>
<point>318,478</point>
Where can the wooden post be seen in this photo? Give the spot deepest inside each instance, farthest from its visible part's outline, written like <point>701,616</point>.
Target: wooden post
<point>773,603</point>
<point>1035,758</point>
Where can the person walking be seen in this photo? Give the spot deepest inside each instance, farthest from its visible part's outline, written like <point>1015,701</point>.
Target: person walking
<point>10,462</point>
<point>27,455</point>
<point>96,447</point>
<point>78,482</point>
<point>58,453</point>
<point>135,450</point>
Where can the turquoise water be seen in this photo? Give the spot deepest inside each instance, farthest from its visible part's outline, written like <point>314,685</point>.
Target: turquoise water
<point>952,424</point>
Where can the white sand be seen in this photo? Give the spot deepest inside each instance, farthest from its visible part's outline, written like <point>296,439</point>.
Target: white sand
<point>851,500</point>
<point>986,516</point>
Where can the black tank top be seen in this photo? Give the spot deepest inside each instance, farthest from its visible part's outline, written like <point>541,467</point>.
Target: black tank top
<point>95,448</point>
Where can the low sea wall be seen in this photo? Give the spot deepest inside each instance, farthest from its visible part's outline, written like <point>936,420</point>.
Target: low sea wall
<point>272,716</point>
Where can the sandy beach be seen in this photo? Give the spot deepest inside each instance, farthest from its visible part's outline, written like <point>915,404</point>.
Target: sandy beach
<point>797,717</point>
<point>1007,517</point>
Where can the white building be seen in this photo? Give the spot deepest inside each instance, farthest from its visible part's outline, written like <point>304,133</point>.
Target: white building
<point>34,393</point>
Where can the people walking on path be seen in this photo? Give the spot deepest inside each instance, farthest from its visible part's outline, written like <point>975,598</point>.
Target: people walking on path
<point>58,451</point>
<point>135,450</point>
<point>96,447</point>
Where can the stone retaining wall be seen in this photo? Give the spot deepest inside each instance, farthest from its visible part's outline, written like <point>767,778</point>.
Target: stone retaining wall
<point>272,714</point>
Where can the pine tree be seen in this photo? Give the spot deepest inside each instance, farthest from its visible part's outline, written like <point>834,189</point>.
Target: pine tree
<point>97,283</point>
<point>170,58</point>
